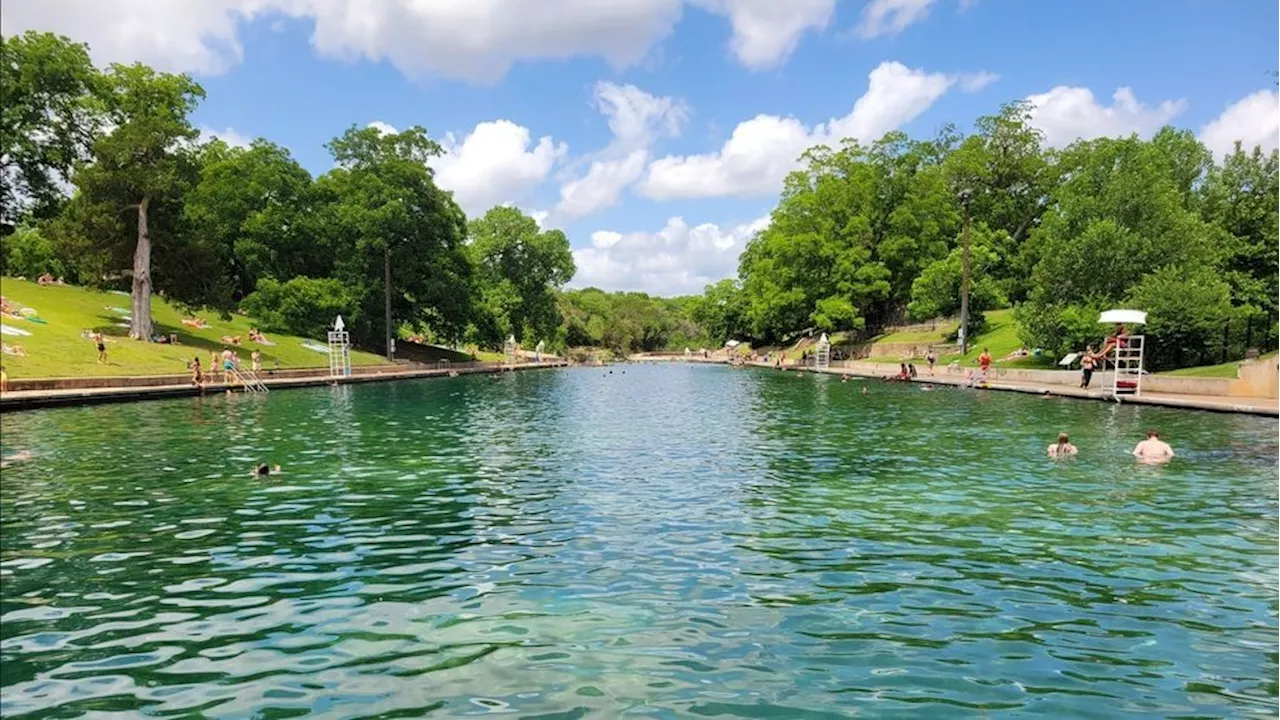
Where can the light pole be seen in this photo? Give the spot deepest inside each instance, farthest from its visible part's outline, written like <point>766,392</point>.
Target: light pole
<point>965,194</point>
<point>386,285</point>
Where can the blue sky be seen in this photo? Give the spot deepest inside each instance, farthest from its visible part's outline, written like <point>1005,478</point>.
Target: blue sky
<point>609,119</point>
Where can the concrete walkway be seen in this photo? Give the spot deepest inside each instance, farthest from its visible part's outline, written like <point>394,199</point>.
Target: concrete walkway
<point>32,399</point>
<point>1248,405</point>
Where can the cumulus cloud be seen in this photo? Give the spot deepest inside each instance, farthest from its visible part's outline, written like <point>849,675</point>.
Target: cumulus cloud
<point>172,36</point>
<point>384,128</point>
<point>1253,120</point>
<point>1065,114</point>
<point>890,17</point>
<point>601,187</point>
<point>226,135</point>
<point>761,151</point>
<point>766,32</point>
<point>476,41</point>
<point>496,163</point>
<point>679,259</point>
<point>636,119</point>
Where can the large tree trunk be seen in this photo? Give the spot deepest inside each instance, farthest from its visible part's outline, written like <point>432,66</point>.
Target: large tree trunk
<point>140,327</point>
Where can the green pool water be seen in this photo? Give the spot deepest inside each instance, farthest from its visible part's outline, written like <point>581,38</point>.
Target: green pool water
<point>660,542</point>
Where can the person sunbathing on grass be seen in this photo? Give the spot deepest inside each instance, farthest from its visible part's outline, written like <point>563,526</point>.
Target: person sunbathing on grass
<point>197,323</point>
<point>231,340</point>
<point>15,350</point>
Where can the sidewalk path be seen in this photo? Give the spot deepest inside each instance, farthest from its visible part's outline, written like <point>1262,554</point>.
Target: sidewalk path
<point>1249,405</point>
<point>31,399</point>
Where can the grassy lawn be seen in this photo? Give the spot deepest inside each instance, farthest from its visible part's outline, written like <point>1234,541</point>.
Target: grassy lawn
<point>938,335</point>
<point>56,348</point>
<point>1000,337</point>
<point>1222,370</point>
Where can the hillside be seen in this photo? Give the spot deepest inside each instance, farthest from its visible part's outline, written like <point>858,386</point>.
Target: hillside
<point>56,348</point>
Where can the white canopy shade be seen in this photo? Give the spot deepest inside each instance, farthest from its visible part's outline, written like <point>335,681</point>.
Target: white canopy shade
<point>1128,317</point>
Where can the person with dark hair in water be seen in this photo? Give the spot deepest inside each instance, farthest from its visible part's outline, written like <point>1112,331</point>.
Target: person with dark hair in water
<point>263,470</point>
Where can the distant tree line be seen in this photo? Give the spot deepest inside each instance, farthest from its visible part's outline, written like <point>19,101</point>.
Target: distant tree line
<point>105,181</point>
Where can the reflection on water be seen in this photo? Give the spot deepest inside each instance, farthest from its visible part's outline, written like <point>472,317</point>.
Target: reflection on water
<point>658,541</point>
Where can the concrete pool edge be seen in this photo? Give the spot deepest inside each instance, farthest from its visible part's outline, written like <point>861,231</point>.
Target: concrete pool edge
<point>1262,407</point>
<point>15,401</point>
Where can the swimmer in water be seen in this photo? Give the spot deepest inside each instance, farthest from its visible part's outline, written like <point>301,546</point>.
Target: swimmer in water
<point>1062,448</point>
<point>20,456</point>
<point>1153,449</point>
<point>263,470</point>
<point>865,391</point>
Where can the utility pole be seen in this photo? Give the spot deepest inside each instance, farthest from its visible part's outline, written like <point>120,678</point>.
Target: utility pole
<point>386,283</point>
<point>964,279</point>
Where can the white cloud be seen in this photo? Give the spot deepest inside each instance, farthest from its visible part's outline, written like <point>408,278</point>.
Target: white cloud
<point>1253,120</point>
<point>227,135</point>
<point>384,128</point>
<point>761,151</point>
<point>636,117</point>
<point>497,163</point>
<point>973,82</point>
<point>1065,114</point>
<point>173,36</point>
<point>766,32</point>
<point>636,120</point>
<point>602,186</point>
<point>679,259</point>
<point>474,40</point>
<point>890,17</point>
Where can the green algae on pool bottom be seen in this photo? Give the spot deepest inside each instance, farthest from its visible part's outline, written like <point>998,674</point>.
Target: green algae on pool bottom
<point>658,541</point>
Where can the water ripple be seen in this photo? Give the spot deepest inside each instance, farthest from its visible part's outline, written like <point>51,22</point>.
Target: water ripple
<point>655,541</point>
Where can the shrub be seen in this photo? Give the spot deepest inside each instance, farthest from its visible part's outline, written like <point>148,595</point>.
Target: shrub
<point>302,306</point>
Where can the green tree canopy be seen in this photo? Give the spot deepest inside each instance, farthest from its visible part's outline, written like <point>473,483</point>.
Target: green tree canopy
<point>519,269</point>
<point>48,121</point>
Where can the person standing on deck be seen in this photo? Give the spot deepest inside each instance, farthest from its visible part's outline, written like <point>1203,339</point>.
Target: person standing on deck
<point>984,364</point>
<point>931,357</point>
<point>1087,362</point>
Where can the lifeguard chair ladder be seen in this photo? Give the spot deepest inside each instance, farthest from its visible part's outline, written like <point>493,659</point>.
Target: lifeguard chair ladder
<point>1127,355</point>
<point>822,354</point>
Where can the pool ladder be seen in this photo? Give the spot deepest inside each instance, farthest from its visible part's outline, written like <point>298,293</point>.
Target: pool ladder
<point>249,380</point>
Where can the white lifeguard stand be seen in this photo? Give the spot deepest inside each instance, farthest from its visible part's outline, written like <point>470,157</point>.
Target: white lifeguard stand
<point>339,350</point>
<point>1126,354</point>
<point>537,351</point>
<point>510,351</point>
<point>822,353</point>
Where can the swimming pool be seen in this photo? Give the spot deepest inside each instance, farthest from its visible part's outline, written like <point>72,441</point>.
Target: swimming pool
<point>640,540</point>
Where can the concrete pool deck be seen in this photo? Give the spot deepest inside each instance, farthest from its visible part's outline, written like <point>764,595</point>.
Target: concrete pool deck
<point>145,388</point>
<point>1249,405</point>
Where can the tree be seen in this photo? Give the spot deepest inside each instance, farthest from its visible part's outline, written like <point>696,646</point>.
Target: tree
<point>1010,177</point>
<point>1242,198</point>
<point>47,121</point>
<point>144,164</point>
<point>936,291</point>
<point>380,210</point>
<point>254,205</point>
<point>520,269</point>
<point>720,311</point>
<point>1187,309</point>
<point>1123,210</point>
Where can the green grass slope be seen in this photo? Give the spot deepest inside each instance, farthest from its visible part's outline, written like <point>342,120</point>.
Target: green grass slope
<point>57,349</point>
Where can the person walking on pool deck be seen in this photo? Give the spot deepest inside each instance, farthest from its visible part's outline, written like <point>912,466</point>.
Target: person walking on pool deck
<point>1153,449</point>
<point>1062,448</point>
<point>931,357</point>
<point>984,364</point>
<point>1087,362</point>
